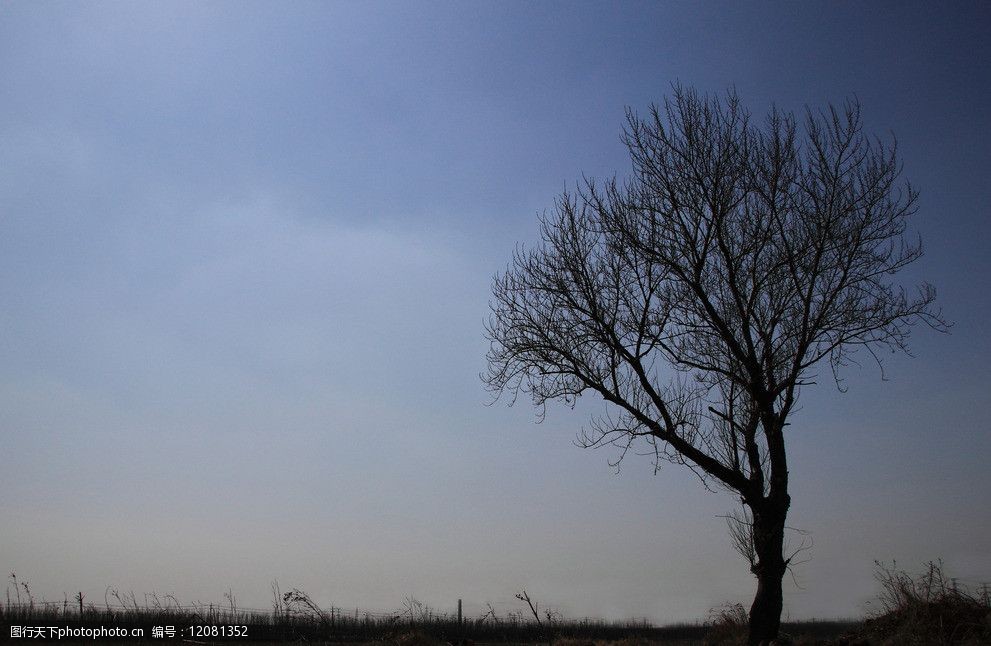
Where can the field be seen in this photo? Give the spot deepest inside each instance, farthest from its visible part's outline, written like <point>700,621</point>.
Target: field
<point>296,618</point>
<point>926,609</point>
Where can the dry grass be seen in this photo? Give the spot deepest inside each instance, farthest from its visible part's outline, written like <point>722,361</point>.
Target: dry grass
<point>923,610</point>
<point>728,626</point>
<point>919,610</point>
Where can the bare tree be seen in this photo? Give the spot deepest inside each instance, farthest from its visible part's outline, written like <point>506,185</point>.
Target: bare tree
<point>742,255</point>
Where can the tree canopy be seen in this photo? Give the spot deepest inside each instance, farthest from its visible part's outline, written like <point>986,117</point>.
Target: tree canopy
<point>743,255</point>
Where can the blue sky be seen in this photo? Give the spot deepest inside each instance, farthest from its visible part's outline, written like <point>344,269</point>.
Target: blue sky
<point>245,258</point>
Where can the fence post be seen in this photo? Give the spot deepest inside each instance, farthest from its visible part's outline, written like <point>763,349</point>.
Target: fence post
<point>459,612</point>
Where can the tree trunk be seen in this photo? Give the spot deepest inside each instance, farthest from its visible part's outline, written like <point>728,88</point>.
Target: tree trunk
<point>768,534</point>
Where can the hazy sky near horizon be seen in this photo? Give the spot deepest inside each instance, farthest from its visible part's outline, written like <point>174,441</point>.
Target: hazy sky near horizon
<point>246,252</point>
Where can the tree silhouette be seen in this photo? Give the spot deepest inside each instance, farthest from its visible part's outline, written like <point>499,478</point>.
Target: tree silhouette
<point>739,256</point>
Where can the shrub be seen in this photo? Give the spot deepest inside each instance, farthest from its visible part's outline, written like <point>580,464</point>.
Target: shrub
<point>924,609</point>
<point>728,626</point>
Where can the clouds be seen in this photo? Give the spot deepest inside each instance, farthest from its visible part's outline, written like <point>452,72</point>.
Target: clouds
<point>244,284</point>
